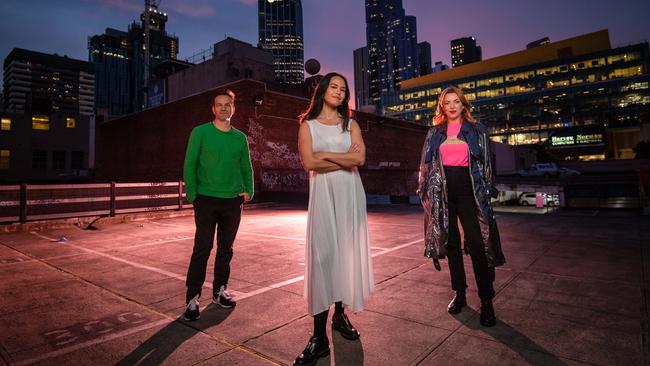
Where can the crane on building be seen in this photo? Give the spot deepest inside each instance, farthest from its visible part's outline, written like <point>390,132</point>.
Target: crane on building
<point>149,6</point>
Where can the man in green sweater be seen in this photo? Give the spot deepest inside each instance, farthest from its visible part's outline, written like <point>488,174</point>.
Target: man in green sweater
<point>218,180</point>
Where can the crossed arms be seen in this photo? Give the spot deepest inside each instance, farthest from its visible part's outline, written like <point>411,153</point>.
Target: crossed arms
<point>326,161</point>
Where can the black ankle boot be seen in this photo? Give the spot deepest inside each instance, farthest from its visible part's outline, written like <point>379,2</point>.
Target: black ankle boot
<point>341,323</point>
<point>488,319</point>
<point>457,303</point>
<point>316,349</point>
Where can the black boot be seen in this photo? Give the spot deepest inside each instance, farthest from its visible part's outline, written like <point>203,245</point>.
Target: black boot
<point>488,319</point>
<point>457,303</point>
<point>341,323</point>
<point>316,349</point>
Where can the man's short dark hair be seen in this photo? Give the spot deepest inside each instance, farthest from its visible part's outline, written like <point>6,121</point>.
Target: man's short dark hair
<point>227,92</point>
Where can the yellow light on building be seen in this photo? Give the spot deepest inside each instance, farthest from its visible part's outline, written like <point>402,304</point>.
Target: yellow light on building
<point>5,124</point>
<point>41,123</point>
<point>5,156</point>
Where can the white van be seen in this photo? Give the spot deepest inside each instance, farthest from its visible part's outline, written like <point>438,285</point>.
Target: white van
<point>529,199</point>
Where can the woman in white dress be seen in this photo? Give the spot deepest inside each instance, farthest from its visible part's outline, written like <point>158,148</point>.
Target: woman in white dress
<point>338,267</point>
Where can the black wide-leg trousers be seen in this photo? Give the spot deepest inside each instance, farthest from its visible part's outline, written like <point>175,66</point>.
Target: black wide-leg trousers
<point>462,206</point>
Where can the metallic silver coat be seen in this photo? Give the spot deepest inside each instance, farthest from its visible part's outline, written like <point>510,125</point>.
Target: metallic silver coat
<point>433,191</point>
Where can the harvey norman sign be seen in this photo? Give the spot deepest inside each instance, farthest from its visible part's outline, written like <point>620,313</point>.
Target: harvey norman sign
<point>577,139</point>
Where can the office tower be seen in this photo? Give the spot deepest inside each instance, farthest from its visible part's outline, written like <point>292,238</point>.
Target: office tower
<point>361,78</point>
<point>392,47</point>
<point>280,32</point>
<point>36,82</point>
<point>465,51</point>
<point>424,57</point>
<point>122,77</point>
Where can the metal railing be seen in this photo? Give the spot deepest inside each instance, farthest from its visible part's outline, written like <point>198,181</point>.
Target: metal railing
<point>29,202</point>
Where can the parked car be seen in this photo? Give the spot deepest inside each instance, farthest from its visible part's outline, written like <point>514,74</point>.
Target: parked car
<point>539,170</point>
<point>530,199</point>
<point>567,171</point>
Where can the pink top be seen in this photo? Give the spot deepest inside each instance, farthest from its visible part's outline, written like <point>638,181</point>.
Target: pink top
<point>453,151</point>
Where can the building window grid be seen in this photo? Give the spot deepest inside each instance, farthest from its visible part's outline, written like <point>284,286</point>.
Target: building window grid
<point>5,159</point>
<point>578,78</point>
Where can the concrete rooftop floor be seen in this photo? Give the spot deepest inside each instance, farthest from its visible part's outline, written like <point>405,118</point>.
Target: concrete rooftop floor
<point>575,291</point>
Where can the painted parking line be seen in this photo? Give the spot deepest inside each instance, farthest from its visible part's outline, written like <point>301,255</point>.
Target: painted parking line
<point>92,342</point>
<point>117,259</point>
<point>104,338</point>
<point>235,293</point>
<point>272,236</point>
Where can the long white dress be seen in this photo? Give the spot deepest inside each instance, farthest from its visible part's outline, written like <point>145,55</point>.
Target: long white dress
<point>338,263</point>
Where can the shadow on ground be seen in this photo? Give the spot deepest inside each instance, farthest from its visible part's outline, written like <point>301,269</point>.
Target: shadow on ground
<point>515,340</point>
<point>161,345</point>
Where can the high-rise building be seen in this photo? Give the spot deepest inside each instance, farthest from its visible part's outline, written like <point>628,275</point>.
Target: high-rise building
<point>424,56</point>
<point>36,82</point>
<point>361,78</point>
<point>465,51</point>
<point>392,47</point>
<point>119,59</point>
<point>280,32</point>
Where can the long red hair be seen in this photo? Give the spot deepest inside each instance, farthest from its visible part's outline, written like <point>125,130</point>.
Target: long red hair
<point>440,117</point>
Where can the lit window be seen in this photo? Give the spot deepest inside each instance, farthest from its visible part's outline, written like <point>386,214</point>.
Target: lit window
<point>5,124</point>
<point>40,122</point>
<point>4,159</point>
<point>70,122</point>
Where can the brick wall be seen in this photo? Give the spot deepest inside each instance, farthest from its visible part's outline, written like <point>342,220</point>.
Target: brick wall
<point>150,145</point>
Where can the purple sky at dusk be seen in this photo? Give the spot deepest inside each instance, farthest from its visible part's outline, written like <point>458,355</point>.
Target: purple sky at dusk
<point>332,28</point>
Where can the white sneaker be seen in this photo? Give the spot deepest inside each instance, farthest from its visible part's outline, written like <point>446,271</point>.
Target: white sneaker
<point>192,310</point>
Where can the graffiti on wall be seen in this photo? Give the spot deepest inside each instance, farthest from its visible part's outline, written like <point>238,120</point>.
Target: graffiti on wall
<point>277,165</point>
<point>285,181</point>
<point>270,154</point>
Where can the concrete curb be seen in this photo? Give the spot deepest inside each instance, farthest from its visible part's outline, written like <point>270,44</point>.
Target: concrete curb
<point>86,221</point>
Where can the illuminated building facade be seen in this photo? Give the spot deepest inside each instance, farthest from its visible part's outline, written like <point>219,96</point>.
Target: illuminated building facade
<point>43,83</point>
<point>392,48</point>
<point>42,147</point>
<point>579,97</point>
<point>465,51</point>
<point>280,32</point>
<point>118,57</point>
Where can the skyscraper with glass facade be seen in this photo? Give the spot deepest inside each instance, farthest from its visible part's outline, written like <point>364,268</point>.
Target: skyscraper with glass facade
<point>280,32</point>
<point>119,57</point>
<point>392,44</point>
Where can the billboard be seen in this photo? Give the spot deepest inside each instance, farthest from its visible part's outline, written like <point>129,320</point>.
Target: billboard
<point>156,95</point>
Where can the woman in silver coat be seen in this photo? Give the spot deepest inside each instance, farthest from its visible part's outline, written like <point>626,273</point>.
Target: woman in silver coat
<point>456,183</point>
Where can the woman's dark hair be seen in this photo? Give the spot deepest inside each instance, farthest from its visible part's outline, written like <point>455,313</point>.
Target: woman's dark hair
<point>316,103</point>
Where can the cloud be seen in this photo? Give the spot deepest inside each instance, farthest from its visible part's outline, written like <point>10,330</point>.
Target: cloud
<point>248,2</point>
<point>194,9</point>
<point>128,5</point>
<point>191,9</point>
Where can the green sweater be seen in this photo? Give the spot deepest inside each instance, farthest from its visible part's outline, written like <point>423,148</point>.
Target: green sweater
<point>217,163</point>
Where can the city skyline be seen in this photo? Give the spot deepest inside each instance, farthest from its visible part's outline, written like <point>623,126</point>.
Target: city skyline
<point>330,39</point>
